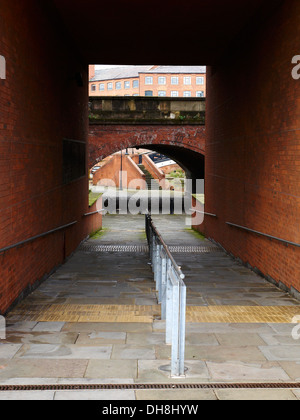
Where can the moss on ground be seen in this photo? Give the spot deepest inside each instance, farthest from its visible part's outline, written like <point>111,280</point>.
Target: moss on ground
<point>98,233</point>
<point>197,234</point>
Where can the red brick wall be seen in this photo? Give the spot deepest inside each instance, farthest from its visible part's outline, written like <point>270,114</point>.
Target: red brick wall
<point>109,174</point>
<point>253,148</point>
<point>41,103</point>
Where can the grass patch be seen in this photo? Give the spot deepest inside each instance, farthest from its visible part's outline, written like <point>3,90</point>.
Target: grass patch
<point>93,197</point>
<point>143,236</point>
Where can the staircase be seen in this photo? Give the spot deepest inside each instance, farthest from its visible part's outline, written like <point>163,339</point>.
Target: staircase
<point>151,182</point>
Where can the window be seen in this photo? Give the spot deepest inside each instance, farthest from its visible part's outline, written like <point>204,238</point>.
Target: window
<point>162,93</point>
<point>174,94</point>
<point>93,88</point>
<point>74,160</point>
<point>200,94</point>
<point>135,94</point>
<point>127,85</point>
<point>149,93</point>
<point>174,80</point>
<point>118,85</point>
<point>187,93</point>
<point>187,80</point>
<point>162,80</point>
<point>109,86</point>
<point>148,80</point>
<point>101,86</point>
<point>135,84</point>
<point>199,80</point>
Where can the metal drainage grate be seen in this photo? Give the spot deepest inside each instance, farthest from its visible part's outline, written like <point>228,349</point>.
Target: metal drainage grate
<point>62,387</point>
<point>144,248</point>
<point>193,249</point>
<point>114,248</point>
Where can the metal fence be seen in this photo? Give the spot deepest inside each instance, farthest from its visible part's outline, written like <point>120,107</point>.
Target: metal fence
<point>171,295</point>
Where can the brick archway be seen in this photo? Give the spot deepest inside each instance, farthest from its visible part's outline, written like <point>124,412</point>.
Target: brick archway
<point>105,140</point>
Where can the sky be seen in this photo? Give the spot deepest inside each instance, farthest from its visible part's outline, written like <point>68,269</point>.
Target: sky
<point>105,66</point>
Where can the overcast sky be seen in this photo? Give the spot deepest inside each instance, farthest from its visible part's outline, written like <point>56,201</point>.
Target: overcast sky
<point>106,66</point>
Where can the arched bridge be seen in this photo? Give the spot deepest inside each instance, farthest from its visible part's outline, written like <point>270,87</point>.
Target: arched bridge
<point>174,127</point>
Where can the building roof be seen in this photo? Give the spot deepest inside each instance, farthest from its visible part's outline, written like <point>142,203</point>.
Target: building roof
<point>178,69</point>
<point>127,72</point>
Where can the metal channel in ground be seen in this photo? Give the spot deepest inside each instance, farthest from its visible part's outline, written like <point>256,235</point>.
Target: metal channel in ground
<point>114,248</point>
<point>87,387</point>
<point>193,249</point>
<point>145,249</point>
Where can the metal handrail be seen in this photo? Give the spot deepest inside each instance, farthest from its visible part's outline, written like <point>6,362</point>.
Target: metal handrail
<point>166,249</point>
<point>94,212</point>
<point>204,212</point>
<point>171,295</point>
<point>263,234</point>
<point>33,238</point>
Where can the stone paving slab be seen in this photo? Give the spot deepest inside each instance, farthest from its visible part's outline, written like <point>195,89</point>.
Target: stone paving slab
<point>96,395</point>
<point>176,395</point>
<point>111,369</point>
<point>51,351</point>
<point>100,338</point>
<point>256,394</point>
<point>132,352</point>
<point>8,351</point>
<point>91,327</point>
<point>41,337</point>
<point>291,368</point>
<point>284,352</point>
<point>237,371</point>
<point>42,368</point>
<point>27,395</point>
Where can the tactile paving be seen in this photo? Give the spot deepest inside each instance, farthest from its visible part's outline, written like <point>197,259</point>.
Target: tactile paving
<point>147,313</point>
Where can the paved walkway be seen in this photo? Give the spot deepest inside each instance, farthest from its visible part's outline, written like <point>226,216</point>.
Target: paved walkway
<point>96,320</point>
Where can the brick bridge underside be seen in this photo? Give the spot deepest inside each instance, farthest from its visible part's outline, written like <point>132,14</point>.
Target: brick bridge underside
<point>184,144</point>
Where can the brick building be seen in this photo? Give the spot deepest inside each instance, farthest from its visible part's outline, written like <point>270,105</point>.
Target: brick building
<point>170,81</point>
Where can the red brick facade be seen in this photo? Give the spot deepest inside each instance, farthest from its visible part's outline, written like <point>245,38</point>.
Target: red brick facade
<point>39,107</point>
<point>253,148</point>
<point>186,84</point>
<point>156,82</point>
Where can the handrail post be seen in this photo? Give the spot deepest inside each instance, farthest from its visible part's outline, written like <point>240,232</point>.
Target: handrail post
<point>153,252</point>
<point>182,320</point>
<point>175,331</point>
<point>159,273</point>
<point>163,286</point>
<point>169,306</point>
